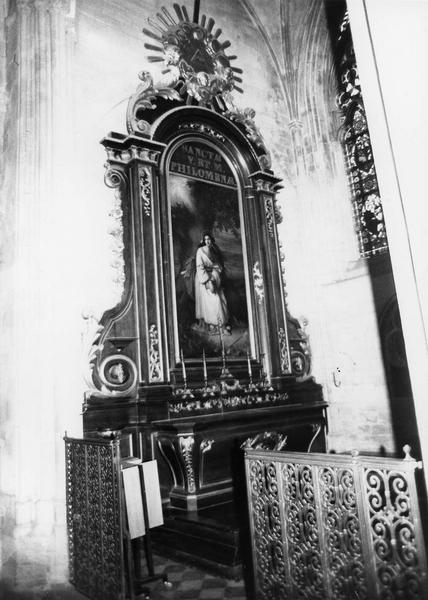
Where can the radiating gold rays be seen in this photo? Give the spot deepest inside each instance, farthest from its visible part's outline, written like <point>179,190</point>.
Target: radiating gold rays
<point>192,50</point>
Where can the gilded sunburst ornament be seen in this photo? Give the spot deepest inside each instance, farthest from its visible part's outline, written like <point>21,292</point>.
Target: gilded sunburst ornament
<point>192,52</point>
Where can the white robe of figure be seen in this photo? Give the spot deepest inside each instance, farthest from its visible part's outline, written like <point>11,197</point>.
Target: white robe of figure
<point>211,305</point>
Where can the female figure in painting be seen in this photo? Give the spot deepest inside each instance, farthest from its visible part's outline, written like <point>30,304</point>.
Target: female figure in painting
<point>211,305</point>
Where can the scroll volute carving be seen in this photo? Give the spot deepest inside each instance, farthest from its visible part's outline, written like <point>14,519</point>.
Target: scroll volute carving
<point>112,370</point>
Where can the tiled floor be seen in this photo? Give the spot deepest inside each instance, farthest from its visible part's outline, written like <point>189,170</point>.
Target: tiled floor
<point>185,583</point>
<point>190,583</point>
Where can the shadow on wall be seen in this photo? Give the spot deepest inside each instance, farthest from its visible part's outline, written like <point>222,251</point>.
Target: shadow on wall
<point>379,264</point>
<point>394,355</point>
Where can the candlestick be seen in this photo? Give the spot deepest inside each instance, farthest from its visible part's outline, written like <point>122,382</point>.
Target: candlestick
<point>220,330</point>
<point>183,368</point>
<point>205,365</point>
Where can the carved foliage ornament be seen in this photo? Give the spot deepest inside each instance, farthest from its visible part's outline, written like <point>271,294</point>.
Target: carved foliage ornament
<point>283,350</point>
<point>269,215</point>
<point>155,368</point>
<point>245,117</point>
<point>146,190</point>
<point>199,70</point>
<point>116,179</point>
<point>186,444</point>
<point>144,99</point>
<point>258,282</point>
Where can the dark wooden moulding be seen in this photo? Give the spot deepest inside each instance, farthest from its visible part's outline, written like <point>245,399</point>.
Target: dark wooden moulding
<point>267,399</point>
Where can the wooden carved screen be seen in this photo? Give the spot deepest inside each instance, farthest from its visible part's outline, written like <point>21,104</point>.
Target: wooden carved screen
<point>335,527</point>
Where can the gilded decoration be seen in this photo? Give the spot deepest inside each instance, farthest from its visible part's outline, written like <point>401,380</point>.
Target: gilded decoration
<point>206,445</point>
<point>145,99</point>
<point>283,350</point>
<point>300,350</point>
<point>192,53</point>
<point>202,128</point>
<point>258,282</point>
<point>268,440</point>
<point>283,270</point>
<point>115,179</point>
<point>146,190</point>
<point>186,444</point>
<point>245,117</point>
<point>92,349</point>
<point>155,368</point>
<point>199,72</point>
<point>269,215</point>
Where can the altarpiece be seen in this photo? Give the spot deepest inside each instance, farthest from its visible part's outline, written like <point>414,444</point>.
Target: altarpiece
<point>200,358</point>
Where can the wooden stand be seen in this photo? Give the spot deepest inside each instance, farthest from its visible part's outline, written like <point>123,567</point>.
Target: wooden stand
<point>138,583</point>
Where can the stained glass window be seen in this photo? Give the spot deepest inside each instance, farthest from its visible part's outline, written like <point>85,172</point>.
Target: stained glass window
<point>363,183</point>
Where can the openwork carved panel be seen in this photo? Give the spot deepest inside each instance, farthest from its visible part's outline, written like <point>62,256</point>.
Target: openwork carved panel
<point>335,527</point>
<point>93,519</point>
<point>267,542</point>
<point>342,533</point>
<point>393,530</point>
<point>302,531</point>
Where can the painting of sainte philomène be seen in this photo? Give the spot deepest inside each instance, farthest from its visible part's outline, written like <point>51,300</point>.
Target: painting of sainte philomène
<point>209,275</point>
